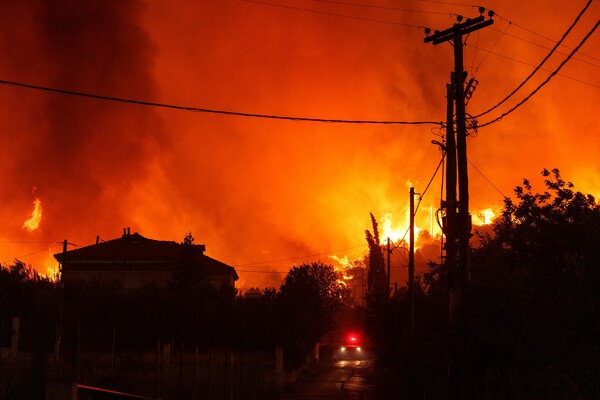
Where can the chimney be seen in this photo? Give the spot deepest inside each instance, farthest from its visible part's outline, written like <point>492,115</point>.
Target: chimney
<point>128,231</point>
<point>97,239</point>
<point>124,232</point>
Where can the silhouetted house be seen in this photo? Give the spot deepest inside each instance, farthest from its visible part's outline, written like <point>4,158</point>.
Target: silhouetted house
<point>134,261</point>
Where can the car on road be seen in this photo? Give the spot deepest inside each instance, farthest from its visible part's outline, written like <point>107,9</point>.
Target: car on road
<point>351,348</point>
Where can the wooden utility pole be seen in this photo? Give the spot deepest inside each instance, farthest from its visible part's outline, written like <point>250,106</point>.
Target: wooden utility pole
<point>458,219</point>
<point>389,268</point>
<point>411,260</point>
<point>459,228</point>
<point>450,205</point>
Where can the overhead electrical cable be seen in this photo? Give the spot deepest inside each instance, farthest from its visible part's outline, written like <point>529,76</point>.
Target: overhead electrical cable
<point>26,242</point>
<point>450,3</point>
<point>263,272</point>
<point>301,257</point>
<point>30,254</point>
<point>334,14</point>
<point>429,184</point>
<point>597,65</point>
<point>542,36</point>
<point>502,17</point>
<point>489,51</point>
<point>423,194</point>
<point>562,64</point>
<point>541,69</point>
<point>410,10</point>
<point>475,53</point>
<point>486,178</point>
<point>540,64</point>
<point>355,247</point>
<point>208,110</point>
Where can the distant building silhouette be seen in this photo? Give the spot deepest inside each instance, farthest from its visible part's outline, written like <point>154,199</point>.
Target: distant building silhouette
<point>133,261</point>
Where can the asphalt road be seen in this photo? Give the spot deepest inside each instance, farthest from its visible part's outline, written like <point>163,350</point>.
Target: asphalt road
<point>333,380</point>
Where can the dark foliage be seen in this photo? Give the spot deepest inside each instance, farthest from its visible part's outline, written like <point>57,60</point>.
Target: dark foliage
<point>377,275</point>
<point>88,320</point>
<point>534,299</point>
<point>309,299</point>
<point>531,329</point>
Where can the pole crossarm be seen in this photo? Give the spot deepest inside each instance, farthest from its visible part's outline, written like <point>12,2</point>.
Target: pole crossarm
<point>461,28</point>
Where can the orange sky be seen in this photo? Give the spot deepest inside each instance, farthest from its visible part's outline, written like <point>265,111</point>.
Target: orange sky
<point>261,194</point>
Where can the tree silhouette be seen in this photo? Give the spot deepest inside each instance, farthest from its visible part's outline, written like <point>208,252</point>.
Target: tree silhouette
<point>187,272</point>
<point>376,278</point>
<point>534,292</point>
<point>188,239</point>
<point>531,328</point>
<point>308,301</point>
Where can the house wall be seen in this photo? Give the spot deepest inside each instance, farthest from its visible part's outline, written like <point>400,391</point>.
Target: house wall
<point>124,276</point>
<point>128,278</point>
<point>220,280</point>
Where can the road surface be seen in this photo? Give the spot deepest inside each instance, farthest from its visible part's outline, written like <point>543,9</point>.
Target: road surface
<point>333,380</point>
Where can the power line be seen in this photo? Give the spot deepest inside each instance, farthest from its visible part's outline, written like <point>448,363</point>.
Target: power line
<point>486,178</point>
<point>475,53</point>
<point>429,184</point>
<point>208,110</point>
<point>30,254</point>
<point>475,6</point>
<point>533,66</point>
<point>487,52</point>
<point>540,64</point>
<point>334,14</point>
<point>262,272</point>
<point>542,36</point>
<point>423,194</point>
<point>545,81</point>
<point>450,3</point>
<point>545,47</point>
<point>26,242</point>
<point>410,10</point>
<point>301,257</point>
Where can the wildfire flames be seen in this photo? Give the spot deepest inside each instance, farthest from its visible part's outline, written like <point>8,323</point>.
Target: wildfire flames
<point>343,266</point>
<point>264,189</point>
<point>33,222</point>
<point>485,217</point>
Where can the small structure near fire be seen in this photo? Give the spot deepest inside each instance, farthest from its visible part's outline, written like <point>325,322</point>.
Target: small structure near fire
<point>133,261</point>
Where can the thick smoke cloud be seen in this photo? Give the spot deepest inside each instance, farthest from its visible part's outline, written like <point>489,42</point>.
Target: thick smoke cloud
<point>82,155</point>
<point>262,193</point>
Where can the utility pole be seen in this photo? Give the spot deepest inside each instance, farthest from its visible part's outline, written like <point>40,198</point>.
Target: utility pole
<point>389,268</point>
<point>450,204</point>
<point>458,218</point>
<point>411,260</point>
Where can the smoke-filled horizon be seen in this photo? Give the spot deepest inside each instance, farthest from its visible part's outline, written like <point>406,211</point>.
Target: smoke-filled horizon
<point>263,194</point>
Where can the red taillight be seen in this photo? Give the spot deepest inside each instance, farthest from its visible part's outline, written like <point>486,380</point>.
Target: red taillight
<point>352,339</point>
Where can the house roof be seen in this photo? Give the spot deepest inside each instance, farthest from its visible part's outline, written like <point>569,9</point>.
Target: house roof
<point>133,247</point>
<point>214,266</point>
<point>136,248</point>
